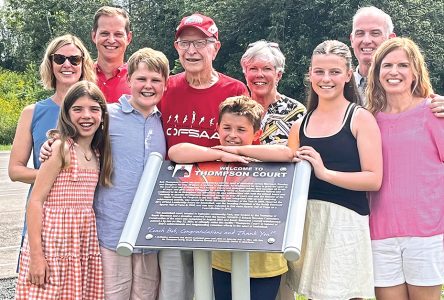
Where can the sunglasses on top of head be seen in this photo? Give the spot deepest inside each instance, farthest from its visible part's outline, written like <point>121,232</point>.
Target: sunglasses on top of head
<point>269,44</point>
<point>60,59</point>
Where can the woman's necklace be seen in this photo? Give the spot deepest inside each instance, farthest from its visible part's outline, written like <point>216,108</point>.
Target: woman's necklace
<point>84,154</point>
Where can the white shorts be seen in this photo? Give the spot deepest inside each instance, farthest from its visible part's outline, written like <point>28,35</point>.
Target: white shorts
<point>414,260</point>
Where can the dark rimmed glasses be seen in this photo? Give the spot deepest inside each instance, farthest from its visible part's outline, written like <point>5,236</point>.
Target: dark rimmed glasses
<point>198,44</point>
<point>60,59</point>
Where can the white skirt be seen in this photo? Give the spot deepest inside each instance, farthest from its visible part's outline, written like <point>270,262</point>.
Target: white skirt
<point>336,258</point>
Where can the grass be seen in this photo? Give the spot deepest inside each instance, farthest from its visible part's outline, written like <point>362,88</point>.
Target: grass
<point>5,147</point>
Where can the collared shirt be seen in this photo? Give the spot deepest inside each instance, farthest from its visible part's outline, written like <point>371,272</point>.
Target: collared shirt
<point>358,76</point>
<point>133,138</point>
<point>115,86</point>
<point>361,83</point>
<point>279,118</point>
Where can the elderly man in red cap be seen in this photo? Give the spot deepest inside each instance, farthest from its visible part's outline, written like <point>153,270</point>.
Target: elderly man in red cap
<point>190,104</point>
<point>190,108</point>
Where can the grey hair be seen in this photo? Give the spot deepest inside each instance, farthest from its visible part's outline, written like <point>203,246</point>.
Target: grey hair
<point>264,50</point>
<point>372,10</point>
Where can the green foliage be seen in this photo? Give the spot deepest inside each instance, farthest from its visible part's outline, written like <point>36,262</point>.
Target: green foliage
<point>177,67</point>
<point>29,25</point>
<point>16,91</point>
<point>423,22</point>
<point>5,147</point>
<point>9,117</point>
<point>26,26</point>
<point>153,23</point>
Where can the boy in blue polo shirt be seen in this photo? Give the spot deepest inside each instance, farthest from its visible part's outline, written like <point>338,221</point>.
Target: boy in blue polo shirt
<point>135,131</point>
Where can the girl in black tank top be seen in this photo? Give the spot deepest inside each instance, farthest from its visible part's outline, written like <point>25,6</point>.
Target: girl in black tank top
<point>339,152</point>
<point>340,139</point>
<point>342,142</point>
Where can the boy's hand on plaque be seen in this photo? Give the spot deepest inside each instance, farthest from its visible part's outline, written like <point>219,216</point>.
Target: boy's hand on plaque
<point>230,157</point>
<point>229,149</point>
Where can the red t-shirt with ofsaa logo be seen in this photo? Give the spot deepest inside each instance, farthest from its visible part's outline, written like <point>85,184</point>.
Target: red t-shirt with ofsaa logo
<point>190,115</point>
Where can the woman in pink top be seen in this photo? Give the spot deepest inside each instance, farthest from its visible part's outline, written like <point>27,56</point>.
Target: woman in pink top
<point>407,214</point>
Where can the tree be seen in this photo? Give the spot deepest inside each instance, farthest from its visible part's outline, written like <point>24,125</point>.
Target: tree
<point>423,22</point>
<point>29,25</point>
<point>153,25</point>
<point>298,26</point>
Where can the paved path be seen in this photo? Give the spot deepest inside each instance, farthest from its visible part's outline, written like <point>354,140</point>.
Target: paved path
<point>12,207</point>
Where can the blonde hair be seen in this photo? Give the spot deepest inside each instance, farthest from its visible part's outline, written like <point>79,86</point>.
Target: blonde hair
<point>243,106</point>
<point>101,140</point>
<point>421,86</point>
<point>155,61</point>
<point>46,71</point>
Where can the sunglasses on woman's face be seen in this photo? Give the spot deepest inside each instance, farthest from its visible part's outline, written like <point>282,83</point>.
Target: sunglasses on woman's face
<point>60,59</point>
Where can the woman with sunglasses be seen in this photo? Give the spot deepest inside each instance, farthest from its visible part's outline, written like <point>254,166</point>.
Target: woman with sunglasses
<point>263,65</point>
<point>66,62</point>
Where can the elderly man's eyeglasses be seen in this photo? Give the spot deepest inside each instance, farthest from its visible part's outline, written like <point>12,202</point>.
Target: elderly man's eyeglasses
<point>198,44</point>
<point>60,59</point>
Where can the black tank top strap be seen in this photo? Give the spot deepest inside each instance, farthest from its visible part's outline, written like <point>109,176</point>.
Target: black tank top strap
<point>350,108</point>
<point>350,112</point>
<point>304,123</point>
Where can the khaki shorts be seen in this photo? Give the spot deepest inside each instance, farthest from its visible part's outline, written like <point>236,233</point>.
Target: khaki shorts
<point>130,277</point>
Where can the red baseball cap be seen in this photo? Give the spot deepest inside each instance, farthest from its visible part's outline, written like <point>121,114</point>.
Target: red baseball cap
<point>201,22</point>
